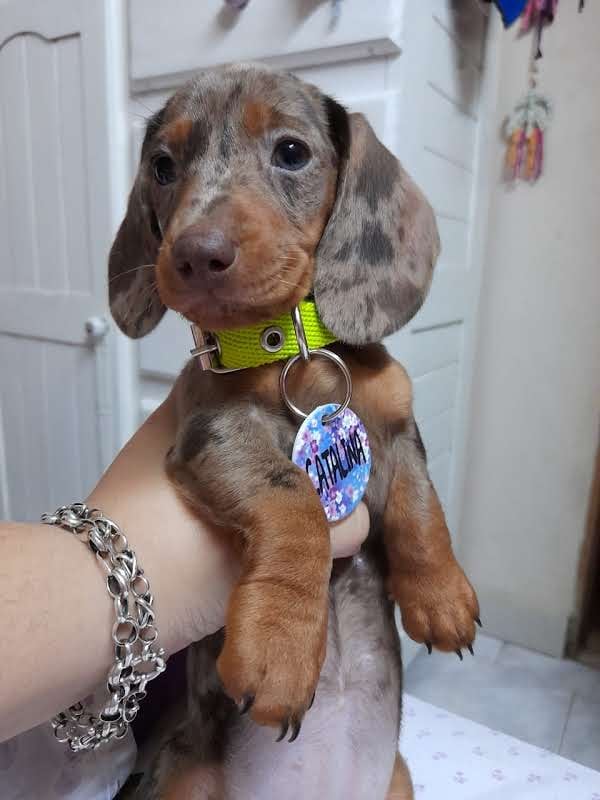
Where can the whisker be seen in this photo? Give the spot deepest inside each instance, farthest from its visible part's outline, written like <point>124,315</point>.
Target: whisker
<point>144,299</point>
<point>133,269</point>
<point>289,283</point>
<point>139,101</point>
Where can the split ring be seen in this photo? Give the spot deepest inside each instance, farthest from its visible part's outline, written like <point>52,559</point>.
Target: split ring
<point>323,354</point>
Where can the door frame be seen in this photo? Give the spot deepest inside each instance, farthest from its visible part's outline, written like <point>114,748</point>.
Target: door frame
<point>589,570</point>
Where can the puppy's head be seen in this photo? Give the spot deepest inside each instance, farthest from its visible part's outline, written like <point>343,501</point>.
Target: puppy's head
<point>255,190</point>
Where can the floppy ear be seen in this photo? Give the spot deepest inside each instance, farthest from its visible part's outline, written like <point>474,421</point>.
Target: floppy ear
<point>375,260</point>
<point>134,301</point>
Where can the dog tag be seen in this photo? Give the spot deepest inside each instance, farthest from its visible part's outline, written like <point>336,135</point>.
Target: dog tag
<point>337,458</point>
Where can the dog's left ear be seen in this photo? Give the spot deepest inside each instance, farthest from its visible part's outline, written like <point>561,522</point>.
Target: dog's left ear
<point>375,261</point>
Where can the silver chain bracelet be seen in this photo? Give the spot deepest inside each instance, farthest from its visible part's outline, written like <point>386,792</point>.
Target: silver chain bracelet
<point>134,633</point>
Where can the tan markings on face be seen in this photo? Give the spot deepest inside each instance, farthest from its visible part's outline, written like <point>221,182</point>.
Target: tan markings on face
<point>177,133</point>
<point>259,117</point>
<point>275,264</point>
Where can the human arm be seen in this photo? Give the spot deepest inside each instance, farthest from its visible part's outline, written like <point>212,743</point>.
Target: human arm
<point>55,613</point>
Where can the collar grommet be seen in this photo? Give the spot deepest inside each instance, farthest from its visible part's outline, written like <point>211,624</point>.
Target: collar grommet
<point>272,339</point>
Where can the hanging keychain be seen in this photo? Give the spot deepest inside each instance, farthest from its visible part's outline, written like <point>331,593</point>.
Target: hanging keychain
<point>332,444</point>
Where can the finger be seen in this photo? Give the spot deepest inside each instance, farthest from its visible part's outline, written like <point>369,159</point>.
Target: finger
<point>348,535</point>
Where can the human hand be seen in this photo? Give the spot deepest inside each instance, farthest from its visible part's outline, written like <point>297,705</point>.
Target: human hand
<point>188,562</point>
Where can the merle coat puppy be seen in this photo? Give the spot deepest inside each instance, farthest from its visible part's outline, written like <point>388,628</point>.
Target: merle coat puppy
<point>254,192</point>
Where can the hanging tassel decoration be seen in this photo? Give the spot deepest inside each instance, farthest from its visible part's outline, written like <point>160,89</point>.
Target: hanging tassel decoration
<point>525,132</point>
<point>537,14</point>
<point>537,11</point>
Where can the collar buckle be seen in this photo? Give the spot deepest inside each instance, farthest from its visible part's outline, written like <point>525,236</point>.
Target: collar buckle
<point>206,346</point>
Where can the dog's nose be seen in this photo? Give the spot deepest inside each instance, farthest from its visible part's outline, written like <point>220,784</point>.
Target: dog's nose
<point>199,252</point>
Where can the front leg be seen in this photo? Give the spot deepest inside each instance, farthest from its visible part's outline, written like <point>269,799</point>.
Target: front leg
<point>437,602</point>
<point>227,466</point>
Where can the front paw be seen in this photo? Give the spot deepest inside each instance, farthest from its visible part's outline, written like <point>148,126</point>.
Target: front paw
<point>438,607</point>
<point>273,653</point>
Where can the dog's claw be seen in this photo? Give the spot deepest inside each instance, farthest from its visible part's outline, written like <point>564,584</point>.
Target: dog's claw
<point>478,621</point>
<point>284,729</point>
<point>296,725</point>
<point>245,703</point>
<point>310,705</point>
<point>459,654</point>
<point>429,647</point>
<point>470,649</point>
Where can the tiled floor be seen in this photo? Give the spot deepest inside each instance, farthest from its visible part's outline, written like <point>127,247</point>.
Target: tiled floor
<point>554,704</point>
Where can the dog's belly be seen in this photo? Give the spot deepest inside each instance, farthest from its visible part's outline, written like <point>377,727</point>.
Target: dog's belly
<point>348,741</point>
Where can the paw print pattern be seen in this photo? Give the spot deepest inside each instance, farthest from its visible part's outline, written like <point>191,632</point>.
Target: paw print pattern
<point>479,762</point>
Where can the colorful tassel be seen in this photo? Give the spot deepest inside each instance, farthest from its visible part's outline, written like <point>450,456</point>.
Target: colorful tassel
<point>525,133</point>
<point>538,14</point>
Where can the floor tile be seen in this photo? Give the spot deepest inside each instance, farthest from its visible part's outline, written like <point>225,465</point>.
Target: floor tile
<point>552,673</point>
<point>495,696</point>
<point>581,739</point>
<point>487,648</point>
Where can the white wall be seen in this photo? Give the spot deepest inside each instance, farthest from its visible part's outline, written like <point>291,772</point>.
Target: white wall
<point>536,389</point>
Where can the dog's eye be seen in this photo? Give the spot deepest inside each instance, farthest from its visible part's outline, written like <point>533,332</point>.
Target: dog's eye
<point>163,168</point>
<point>291,154</point>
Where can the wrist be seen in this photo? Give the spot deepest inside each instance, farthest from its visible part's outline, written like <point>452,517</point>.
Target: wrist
<point>184,559</point>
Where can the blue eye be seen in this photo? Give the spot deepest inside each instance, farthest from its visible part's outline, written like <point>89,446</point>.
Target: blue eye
<point>290,154</point>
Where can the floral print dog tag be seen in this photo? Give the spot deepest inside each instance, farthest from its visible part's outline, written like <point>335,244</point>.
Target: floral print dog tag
<point>337,458</point>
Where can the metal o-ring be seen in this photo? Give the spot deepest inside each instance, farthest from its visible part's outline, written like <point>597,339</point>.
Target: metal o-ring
<point>323,354</point>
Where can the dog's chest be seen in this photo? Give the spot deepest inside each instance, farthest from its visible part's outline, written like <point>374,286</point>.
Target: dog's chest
<point>348,742</point>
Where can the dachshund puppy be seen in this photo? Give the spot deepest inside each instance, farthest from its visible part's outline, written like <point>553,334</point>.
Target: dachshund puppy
<point>254,192</point>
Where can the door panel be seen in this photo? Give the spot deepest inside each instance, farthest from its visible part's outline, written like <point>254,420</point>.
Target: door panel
<point>55,213</point>
<point>185,35</point>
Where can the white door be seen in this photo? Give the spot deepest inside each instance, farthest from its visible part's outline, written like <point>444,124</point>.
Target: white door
<point>55,221</point>
<point>448,72</point>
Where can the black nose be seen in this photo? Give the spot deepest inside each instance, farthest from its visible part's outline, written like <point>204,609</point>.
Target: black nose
<point>197,253</point>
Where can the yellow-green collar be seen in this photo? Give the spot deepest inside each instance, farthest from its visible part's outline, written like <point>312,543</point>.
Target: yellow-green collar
<point>265,343</point>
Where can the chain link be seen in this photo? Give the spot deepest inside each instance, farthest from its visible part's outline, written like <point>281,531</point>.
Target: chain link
<point>134,633</point>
